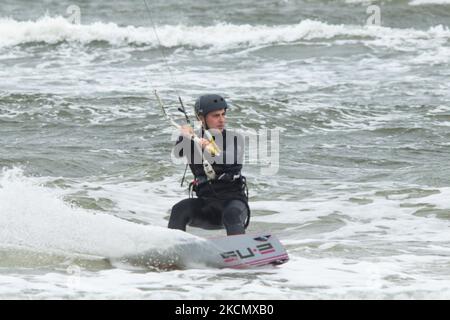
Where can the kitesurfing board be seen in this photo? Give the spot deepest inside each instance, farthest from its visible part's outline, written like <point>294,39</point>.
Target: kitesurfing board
<point>249,251</point>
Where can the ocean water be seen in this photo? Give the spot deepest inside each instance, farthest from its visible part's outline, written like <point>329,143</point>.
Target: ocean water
<point>360,197</point>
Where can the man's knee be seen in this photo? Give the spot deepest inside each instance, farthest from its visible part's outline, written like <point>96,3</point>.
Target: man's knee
<point>232,216</point>
<point>181,206</point>
<point>181,214</point>
<point>235,212</point>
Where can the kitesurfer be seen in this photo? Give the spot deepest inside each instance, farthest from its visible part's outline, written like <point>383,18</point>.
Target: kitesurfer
<point>222,197</point>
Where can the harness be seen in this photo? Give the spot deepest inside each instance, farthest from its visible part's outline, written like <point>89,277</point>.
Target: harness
<point>228,177</point>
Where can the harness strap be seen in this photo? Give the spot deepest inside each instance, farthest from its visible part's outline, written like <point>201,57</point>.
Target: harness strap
<point>224,177</point>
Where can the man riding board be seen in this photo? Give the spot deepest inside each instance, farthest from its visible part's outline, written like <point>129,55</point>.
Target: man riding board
<point>222,200</point>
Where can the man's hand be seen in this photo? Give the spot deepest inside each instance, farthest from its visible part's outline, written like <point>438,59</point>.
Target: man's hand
<point>204,143</point>
<point>187,131</point>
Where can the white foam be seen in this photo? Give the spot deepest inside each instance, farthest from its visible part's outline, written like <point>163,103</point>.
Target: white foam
<point>32,216</point>
<point>363,2</point>
<point>222,35</point>
<point>384,218</point>
<point>396,277</point>
<point>382,250</point>
<point>147,201</point>
<point>429,2</point>
<point>439,56</point>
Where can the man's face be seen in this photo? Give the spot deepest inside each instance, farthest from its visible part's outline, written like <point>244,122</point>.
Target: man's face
<point>216,119</point>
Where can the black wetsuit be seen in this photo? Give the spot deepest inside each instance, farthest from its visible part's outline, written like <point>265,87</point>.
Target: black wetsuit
<point>221,202</point>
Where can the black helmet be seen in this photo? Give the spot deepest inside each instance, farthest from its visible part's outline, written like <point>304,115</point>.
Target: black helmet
<point>208,103</point>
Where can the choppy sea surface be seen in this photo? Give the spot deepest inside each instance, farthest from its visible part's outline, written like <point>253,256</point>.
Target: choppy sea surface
<point>360,197</point>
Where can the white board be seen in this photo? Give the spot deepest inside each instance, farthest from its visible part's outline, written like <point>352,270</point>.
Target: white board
<point>249,251</point>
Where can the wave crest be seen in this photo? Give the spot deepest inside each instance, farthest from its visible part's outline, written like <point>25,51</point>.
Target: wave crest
<point>223,35</point>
